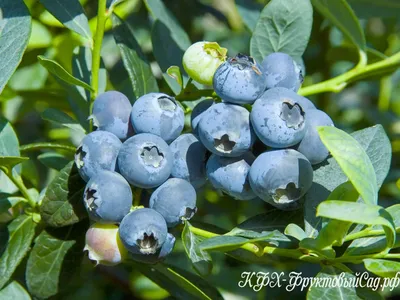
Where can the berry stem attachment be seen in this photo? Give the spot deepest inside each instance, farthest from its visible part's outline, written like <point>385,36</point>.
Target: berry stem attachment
<point>98,41</point>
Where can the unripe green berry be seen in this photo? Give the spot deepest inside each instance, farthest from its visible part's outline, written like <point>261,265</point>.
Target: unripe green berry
<point>104,245</point>
<point>202,59</point>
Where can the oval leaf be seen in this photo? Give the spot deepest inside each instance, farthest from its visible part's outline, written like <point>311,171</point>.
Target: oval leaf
<point>59,117</point>
<point>57,252</point>
<point>14,291</point>
<point>62,203</point>
<point>71,14</point>
<point>332,291</point>
<point>18,238</point>
<point>53,160</point>
<point>382,267</point>
<point>342,16</point>
<point>359,213</point>
<point>15,28</point>
<point>135,62</point>
<point>328,175</point>
<point>353,160</point>
<point>57,70</point>
<point>283,26</point>
<point>11,161</point>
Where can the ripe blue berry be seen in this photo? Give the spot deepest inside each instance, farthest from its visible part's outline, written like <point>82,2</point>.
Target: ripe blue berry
<point>230,175</point>
<point>282,71</point>
<point>278,119</point>
<point>189,157</point>
<point>143,231</point>
<point>239,80</point>
<point>145,160</point>
<point>107,197</point>
<point>158,114</point>
<point>311,145</point>
<point>281,177</point>
<point>97,151</point>
<point>198,112</point>
<point>225,130</point>
<point>160,255</point>
<point>175,200</point>
<point>111,112</point>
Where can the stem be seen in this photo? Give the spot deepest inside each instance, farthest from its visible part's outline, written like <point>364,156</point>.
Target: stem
<point>40,146</point>
<point>17,180</point>
<point>136,196</point>
<point>98,41</point>
<point>338,83</point>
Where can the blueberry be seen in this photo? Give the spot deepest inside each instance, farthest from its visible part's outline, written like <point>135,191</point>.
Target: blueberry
<point>158,114</point>
<point>278,119</point>
<point>281,177</point>
<point>230,175</point>
<point>189,157</point>
<point>311,145</point>
<point>225,130</point>
<point>198,112</point>
<point>111,112</point>
<point>282,71</point>
<point>240,80</point>
<point>97,151</point>
<point>107,197</point>
<point>175,200</point>
<point>160,255</point>
<point>145,160</point>
<point>104,245</point>
<point>143,231</point>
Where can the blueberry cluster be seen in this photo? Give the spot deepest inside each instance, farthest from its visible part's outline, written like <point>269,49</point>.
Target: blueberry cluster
<point>141,146</point>
<point>130,149</point>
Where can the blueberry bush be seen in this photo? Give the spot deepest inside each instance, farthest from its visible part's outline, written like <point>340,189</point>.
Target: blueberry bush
<point>164,148</point>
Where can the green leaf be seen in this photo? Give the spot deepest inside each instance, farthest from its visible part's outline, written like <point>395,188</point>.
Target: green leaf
<point>295,231</point>
<point>71,14</point>
<point>328,175</point>
<point>135,62</point>
<point>250,12</point>
<point>20,234</point>
<point>359,213</point>
<point>82,69</point>
<point>58,71</point>
<point>273,219</point>
<point>342,16</point>
<point>11,161</point>
<point>160,12</point>
<point>8,201</point>
<point>59,117</point>
<point>382,267</point>
<point>169,40</point>
<point>175,73</point>
<point>9,146</point>
<point>371,8</point>
<point>332,291</point>
<point>179,283</point>
<point>283,26</point>
<point>56,255</point>
<point>353,160</point>
<point>200,259</point>
<point>112,3</point>
<point>14,291</point>
<point>62,203</point>
<point>375,244</point>
<point>40,36</point>
<point>15,29</point>
<point>41,146</point>
<point>53,160</point>
<point>228,243</point>
<point>334,232</point>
